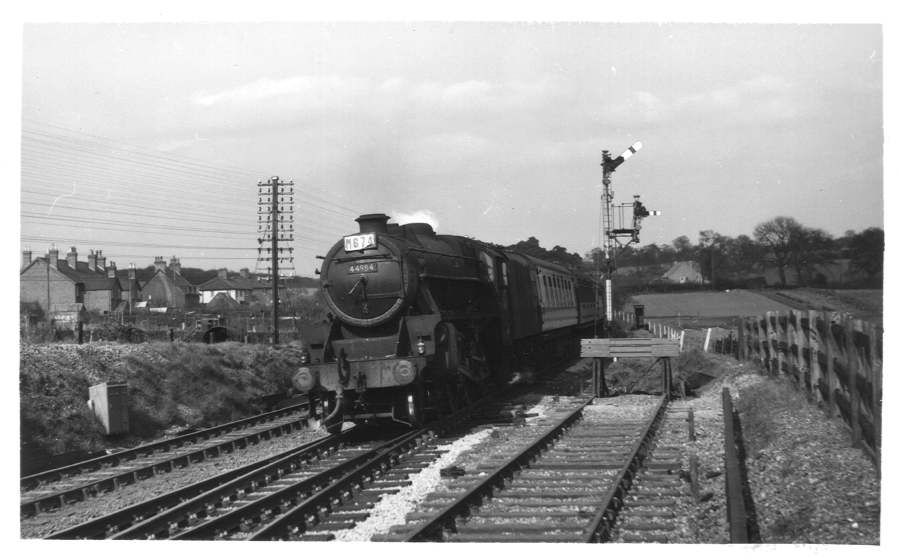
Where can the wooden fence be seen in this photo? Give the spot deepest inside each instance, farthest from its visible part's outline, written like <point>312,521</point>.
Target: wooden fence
<point>659,330</point>
<point>837,360</point>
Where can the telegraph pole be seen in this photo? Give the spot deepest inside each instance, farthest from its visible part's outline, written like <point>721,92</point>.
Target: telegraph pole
<point>273,230</point>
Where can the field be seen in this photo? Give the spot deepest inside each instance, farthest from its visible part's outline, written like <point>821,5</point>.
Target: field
<point>710,309</point>
<point>704,309</point>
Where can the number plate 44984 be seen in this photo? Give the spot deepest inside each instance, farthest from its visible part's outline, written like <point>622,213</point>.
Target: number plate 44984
<point>362,268</point>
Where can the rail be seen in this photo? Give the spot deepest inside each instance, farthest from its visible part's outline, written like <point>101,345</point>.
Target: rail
<point>118,521</point>
<point>112,459</point>
<point>603,520</point>
<point>431,529</point>
<point>738,526</point>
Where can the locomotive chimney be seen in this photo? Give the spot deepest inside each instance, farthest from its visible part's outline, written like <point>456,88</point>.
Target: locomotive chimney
<point>373,223</point>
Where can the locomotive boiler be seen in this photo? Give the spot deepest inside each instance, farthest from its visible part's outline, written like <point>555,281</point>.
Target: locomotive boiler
<point>420,323</point>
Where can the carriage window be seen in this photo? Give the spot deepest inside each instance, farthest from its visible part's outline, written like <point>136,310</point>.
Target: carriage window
<point>488,266</point>
<point>545,299</point>
<point>552,293</point>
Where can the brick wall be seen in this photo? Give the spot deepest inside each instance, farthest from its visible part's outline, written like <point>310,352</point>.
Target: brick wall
<point>33,286</point>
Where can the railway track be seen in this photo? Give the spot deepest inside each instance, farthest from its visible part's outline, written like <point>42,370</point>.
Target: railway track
<point>657,507</point>
<point>579,470</point>
<point>564,483</point>
<point>277,498</point>
<point>118,521</point>
<point>55,488</point>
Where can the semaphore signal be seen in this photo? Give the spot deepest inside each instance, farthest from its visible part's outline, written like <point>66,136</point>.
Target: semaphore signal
<point>611,234</point>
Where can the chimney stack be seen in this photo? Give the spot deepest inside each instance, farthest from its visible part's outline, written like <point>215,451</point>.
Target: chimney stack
<point>26,258</point>
<point>92,261</point>
<point>111,270</point>
<point>101,260</point>
<point>223,273</point>
<point>245,273</point>
<point>53,257</point>
<point>160,264</point>
<point>132,273</point>
<point>175,265</point>
<point>373,223</point>
<point>72,258</point>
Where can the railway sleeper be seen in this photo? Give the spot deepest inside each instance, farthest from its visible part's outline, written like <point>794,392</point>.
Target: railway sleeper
<point>470,527</point>
<point>517,538</point>
<point>581,466</point>
<point>549,494</point>
<point>648,512</point>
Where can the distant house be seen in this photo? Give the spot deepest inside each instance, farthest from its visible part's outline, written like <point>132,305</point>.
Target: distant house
<point>60,286</point>
<point>684,272</point>
<point>239,288</point>
<point>168,288</point>
<point>222,302</point>
<point>131,289</point>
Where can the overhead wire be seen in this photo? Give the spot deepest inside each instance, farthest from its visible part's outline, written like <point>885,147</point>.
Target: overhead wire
<point>116,145</point>
<point>98,165</point>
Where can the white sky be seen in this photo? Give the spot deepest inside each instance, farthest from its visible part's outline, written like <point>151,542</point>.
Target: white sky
<point>154,134</point>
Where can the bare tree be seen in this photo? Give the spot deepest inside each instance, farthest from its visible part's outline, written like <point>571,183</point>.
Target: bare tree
<point>779,235</point>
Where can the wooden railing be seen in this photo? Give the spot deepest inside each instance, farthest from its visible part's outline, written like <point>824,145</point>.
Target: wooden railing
<point>837,360</point>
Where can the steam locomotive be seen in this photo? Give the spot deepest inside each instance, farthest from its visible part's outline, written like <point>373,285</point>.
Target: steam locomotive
<point>422,323</point>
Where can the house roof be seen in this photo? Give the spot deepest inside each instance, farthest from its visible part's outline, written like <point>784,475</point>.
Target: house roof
<point>122,275</point>
<point>177,279</point>
<point>687,270</point>
<point>92,279</point>
<point>224,284</point>
<point>223,301</point>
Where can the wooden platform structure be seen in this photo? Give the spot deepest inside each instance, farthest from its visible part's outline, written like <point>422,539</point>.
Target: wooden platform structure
<point>600,348</point>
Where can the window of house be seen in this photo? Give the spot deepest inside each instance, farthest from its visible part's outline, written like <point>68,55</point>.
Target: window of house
<point>79,293</point>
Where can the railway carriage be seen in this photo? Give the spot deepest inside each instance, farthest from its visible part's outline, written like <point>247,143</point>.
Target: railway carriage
<point>421,323</point>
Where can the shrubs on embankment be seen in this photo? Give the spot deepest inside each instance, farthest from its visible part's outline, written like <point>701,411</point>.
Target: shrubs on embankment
<point>693,367</point>
<point>169,384</point>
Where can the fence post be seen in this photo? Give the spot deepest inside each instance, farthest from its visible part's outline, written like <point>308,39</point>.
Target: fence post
<point>852,372</point>
<point>790,339</point>
<point>830,376</point>
<point>780,340</point>
<point>815,368</point>
<point>876,390</point>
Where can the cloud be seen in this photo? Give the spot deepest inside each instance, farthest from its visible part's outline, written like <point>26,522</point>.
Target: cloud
<point>416,216</point>
<point>319,89</point>
<point>760,99</point>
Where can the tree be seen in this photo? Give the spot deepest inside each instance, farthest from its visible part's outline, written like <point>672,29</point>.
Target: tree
<point>867,252</point>
<point>812,247</point>
<point>779,236</point>
<point>683,248</point>
<point>558,254</point>
<point>710,251</point>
